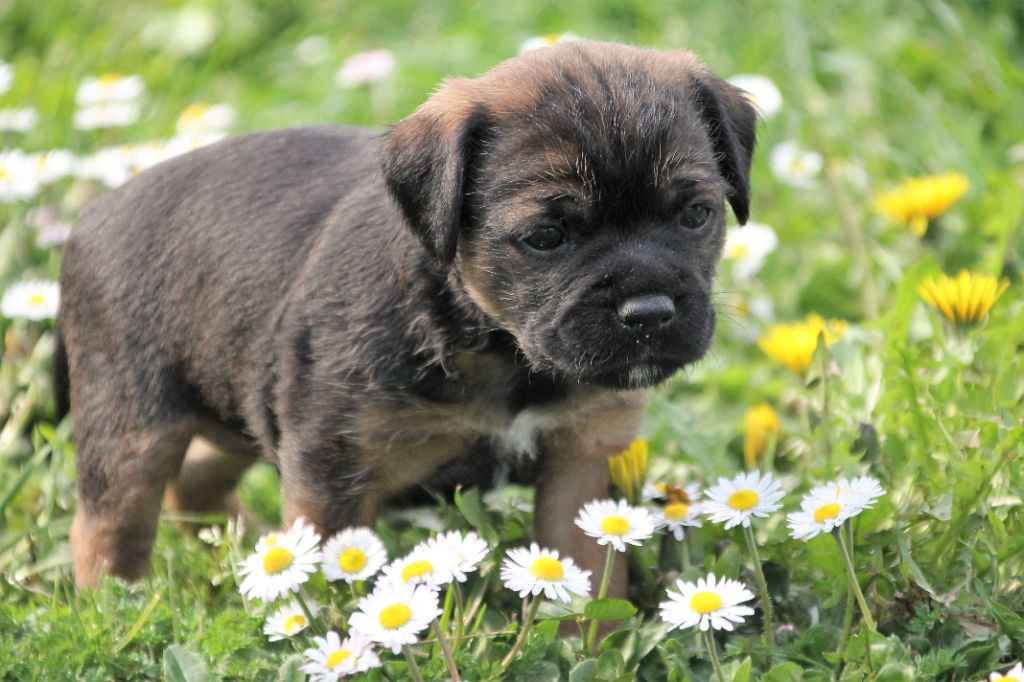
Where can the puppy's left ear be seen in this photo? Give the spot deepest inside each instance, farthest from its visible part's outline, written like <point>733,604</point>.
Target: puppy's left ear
<point>731,122</point>
<point>425,159</point>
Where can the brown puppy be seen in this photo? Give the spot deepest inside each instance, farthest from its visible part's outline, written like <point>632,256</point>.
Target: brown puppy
<point>476,296</point>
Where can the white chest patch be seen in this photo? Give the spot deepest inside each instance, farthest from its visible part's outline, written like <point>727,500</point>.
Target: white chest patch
<point>520,438</point>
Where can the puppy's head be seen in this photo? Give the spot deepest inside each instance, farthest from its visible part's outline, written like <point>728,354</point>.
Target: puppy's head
<point>578,194</point>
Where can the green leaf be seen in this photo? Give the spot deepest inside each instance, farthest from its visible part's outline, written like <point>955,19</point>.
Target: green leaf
<point>784,672</point>
<point>291,671</point>
<point>584,671</point>
<point>742,673</point>
<point>608,609</point>
<point>182,665</point>
<point>610,665</point>
<point>550,610</point>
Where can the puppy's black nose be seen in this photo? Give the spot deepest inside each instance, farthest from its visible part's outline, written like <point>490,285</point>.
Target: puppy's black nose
<point>648,311</point>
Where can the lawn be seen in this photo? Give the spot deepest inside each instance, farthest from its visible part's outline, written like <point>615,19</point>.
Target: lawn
<point>837,353</point>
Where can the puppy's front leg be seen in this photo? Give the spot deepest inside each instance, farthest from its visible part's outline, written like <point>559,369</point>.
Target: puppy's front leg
<point>575,471</point>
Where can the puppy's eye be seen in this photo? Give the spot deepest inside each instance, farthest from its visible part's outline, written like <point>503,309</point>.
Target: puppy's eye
<point>694,217</point>
<point>544,238</point>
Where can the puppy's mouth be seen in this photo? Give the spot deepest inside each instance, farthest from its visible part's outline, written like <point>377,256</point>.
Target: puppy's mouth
<point>643,374</point>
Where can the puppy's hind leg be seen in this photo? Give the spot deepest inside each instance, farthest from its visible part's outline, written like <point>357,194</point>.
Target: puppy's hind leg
<point>122,473</point>
<point>212,468</point>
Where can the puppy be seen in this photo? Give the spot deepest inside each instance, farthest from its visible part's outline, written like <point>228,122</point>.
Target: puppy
<point>477,295</point>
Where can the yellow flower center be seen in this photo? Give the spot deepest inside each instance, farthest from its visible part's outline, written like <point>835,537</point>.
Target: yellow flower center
<point>548,569</point>
<point>1006,679</point>
<point>294,623</point>
<point>615,525</point>
<point>194,112</point>
<point>352,560</point>
<point>826,512</point>
<point>337,658</point>
<point>3,173</point>
<point>109,78</point>
<point>416,569</point>
<point>270,540</point>
<point>676,511</point>
<point>742,500</point>
<point>276,560</point>
<point>395,616</point>
<point>705,602</point>
<point>36,299</point>
<point>738,251</point>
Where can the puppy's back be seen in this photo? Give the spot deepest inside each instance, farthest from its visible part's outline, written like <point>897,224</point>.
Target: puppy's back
<point>188,261</point>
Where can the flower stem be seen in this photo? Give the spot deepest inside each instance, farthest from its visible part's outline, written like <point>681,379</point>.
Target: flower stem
<point>414,670</point>
<point>709,641</point>
<point>826,438</point>
<point>531,614</point>
<point>762,586</point>
<point>606,579</point>
<point>447,651</point>
<point>460,617</point>
<point>851,573</point>
<point>314,622</point>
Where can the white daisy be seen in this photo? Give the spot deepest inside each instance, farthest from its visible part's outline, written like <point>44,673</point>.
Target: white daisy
<point>735,502</point>
<point>110,87</point>
<point>1014,674</point>
<point>395,613</point>
<point>365,68</point>
<point>795,166</point>
<point>461,554</point>
<point>182,144</point>
<point>616,522</point>
<point>353,554</point>
<point>287,621</point>
<point>6,77</point>
<point>19,177</point>
<point>199,117</point>
<point>19,120</point>
<point>423,565</point>
<point>36,299</point>
<point>312,50</point>
<point>537,42</point>
<point>534,570</point>
<point>53,165</point>
<point>761,92</point>
<point>676,515</point>
<point>108,115</point>
<point>333,658</point>
<point>748,246</point>
<point>828,506</point>
<point>281,563</point>
<point>707,604</point>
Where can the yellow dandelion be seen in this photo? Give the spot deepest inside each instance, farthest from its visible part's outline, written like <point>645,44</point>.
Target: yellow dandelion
<point>628,467</point>
<point>919,200</point>
<point>964,299</point>
<point>793,344</point>
<point>761,427</point>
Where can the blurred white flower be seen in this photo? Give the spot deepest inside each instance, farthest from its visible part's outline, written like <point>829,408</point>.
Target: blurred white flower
<point>6,77</point>
<point>537,42</point>
<point>747,247</point>
<point>312,50</point>
<point>423,565</point>
<point>109,88</point>
<point>288,620</point>
<point>462,554</point>
<point>353,554</point>
<point>18,120</point>
<point>109,115</point>
<point>54,165</point>
<point>19,176</point>
<point>394,614</point>
<point>36,299</point>
<point>50,229</point>
<point>795,166</point>
<point>200,117</point>
<point>365,68</point>
<point>182,144</point>
<point>332,658</point>
<point>761,92</point>
<point>826,507</point>
<point>709,603</point>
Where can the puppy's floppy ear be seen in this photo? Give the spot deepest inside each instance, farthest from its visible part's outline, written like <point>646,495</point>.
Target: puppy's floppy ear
<point>731,122</point>
<point>426,158</point>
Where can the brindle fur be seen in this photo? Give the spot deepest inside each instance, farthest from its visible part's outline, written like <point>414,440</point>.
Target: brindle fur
<point>358,308</point>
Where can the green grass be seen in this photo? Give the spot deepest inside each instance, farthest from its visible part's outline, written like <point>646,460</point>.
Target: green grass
<point>897,89</point>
